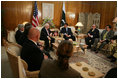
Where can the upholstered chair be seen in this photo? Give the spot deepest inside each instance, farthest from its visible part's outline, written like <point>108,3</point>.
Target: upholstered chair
<point>11,36</point>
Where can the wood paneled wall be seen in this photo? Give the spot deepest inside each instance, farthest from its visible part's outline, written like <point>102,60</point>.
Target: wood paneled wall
<point>15,12</point>
<point>107,9</point>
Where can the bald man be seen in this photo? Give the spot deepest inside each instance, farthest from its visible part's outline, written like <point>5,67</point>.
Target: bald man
<point>30,51</point>
<point>46,35</point>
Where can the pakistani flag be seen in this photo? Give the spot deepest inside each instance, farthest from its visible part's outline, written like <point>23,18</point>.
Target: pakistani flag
<point>63,20</point>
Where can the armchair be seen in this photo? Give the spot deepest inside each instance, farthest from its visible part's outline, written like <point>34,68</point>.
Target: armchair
<point>16,48</point>
<point>13,56</point>
<point>11,36</point>
<point>29,74</point>
<point>13,59</point>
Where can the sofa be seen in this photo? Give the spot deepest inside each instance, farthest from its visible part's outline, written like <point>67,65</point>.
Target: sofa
<point>11,35</point>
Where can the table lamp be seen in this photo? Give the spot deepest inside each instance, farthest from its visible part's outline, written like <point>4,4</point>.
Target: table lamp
<point>79,25</point>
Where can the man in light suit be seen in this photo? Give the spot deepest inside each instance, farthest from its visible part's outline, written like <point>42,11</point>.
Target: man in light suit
<point>67,32</point>
<point>105,37</point>
<point>46,35</point>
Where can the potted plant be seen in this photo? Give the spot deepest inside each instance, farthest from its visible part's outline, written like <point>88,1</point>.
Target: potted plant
<point>48,20</point>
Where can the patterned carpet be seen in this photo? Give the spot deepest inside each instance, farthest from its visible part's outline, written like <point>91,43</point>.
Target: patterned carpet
<point>98,61</point>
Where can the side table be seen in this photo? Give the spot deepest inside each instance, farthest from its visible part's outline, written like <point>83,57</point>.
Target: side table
<point>81,36</point>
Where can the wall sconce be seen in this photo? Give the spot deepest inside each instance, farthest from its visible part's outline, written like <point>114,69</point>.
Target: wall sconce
<point>72,15</point>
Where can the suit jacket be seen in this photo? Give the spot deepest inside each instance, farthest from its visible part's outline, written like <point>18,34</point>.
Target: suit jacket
<point>114,37</point>
<point>69,32</point>
<point>44,34</point>
<point>109,34</point>
<point>32,55</point>
<point>22,39</point>
<point>18,35</point>
<point>95,33</point>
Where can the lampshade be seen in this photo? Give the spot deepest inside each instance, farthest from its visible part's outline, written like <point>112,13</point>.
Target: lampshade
<point>115,20</point>
<point>79,24</point>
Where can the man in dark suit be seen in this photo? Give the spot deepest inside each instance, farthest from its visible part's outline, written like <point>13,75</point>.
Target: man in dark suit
<point>30,51</point>
<point>46,35</point>
<point>19,32</point>
<point>105,37</point>
<point>23,37</point>
<point>92,34</point>
<point>67,32</point>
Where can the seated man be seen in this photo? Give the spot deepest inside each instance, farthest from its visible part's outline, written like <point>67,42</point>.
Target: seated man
<point>92,34</point>
<point>46,35</point>
<point>105,37</point>
<point>30,51</point>
<point>113,48</point>
<point>19,32</point>
<point>67,32</point>
<point>23,38</point>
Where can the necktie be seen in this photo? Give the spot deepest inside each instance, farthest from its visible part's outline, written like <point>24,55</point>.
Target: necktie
<point>67,30</point>
<point>47,32</point>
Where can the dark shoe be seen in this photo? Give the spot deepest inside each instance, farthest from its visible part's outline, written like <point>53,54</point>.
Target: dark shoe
<point>113,59</point>
<point>82,48</point>
<point>89,47</point>
<point>93,49</point>
<point>50,58</point>
<point>51,49</point>
<point>96,51</point>
<point>110,57</point>
<point>47,50</point>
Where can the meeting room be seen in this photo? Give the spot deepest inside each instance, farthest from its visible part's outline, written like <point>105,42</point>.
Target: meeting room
<point>59,39</point>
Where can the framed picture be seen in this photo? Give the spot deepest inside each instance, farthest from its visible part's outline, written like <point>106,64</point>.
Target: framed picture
<point>48,10</point>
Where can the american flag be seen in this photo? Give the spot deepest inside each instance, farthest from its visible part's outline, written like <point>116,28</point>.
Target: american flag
<point>35,19</point>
